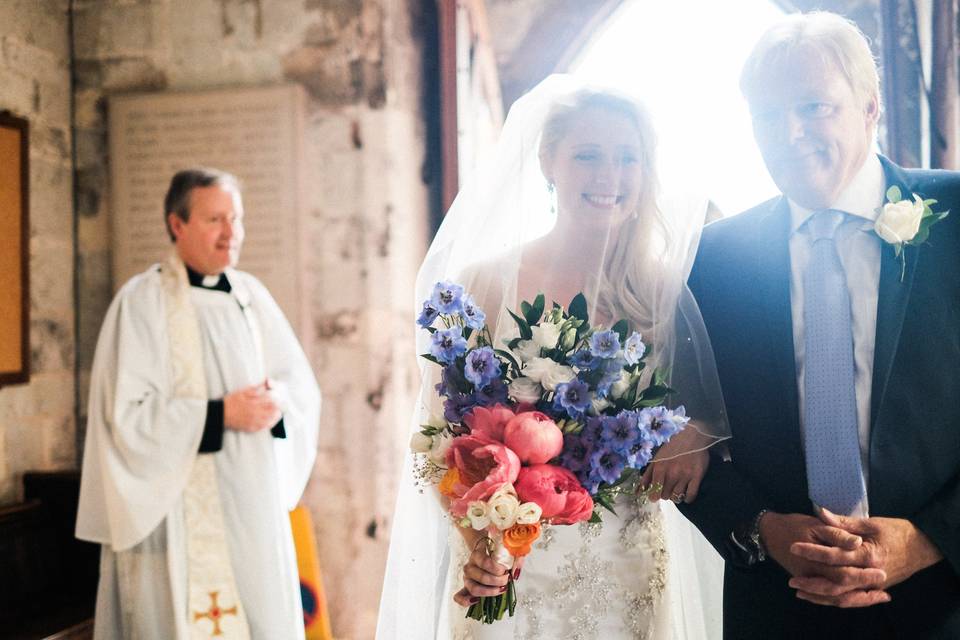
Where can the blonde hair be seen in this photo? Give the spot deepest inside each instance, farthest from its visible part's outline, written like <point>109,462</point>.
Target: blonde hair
<point>624,288</point>
<point>832,37</point>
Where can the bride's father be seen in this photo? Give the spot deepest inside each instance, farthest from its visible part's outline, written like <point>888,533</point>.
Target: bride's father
<point>836,330</point>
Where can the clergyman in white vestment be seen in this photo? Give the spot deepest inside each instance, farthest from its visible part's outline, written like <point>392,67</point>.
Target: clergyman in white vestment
<point>202,432</point>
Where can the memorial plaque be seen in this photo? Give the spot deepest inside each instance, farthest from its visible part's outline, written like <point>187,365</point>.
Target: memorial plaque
<point>256,134</point>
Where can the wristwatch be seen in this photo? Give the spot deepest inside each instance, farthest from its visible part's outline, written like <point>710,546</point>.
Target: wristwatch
<point>746,549</point>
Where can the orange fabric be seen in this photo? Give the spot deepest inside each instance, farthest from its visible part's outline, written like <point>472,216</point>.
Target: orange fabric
<point>316,617</point>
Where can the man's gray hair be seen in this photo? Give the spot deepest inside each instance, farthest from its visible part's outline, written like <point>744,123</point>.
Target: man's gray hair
<point>177,200</point>
<point>834,38</point>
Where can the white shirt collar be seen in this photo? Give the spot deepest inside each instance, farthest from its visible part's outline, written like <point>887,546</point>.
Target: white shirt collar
<point>862,197</point>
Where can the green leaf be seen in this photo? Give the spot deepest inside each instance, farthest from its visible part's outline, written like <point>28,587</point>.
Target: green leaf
<point>427,356</point>
<point>509,357</point>
<point>621,328</point>
<point>595,518</point>
<point>578,307</point>
<point>467,333</point>
<point>525,309</point>
<point>525,332</point>
<point>894,194</point>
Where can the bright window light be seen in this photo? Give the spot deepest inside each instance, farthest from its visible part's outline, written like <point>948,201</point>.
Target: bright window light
<point>683,58</point>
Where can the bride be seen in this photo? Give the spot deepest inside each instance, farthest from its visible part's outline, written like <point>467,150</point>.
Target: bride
<point>569,203</point>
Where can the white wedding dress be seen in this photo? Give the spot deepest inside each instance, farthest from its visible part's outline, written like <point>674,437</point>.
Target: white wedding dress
<point>611,581</point>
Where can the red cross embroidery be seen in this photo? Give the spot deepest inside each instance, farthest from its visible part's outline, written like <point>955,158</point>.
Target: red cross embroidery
<point>215,613</point>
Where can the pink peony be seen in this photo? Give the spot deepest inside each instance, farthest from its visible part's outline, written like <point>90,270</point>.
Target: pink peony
<point>489,422</point>
<point>557,491</point>
<point>534,437</point>
<point>483,465</point>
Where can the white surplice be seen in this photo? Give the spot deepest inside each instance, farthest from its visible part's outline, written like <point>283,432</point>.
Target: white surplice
<point>142,441</point>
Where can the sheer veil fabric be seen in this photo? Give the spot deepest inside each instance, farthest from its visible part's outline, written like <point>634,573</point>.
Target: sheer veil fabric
<point>505,240</point>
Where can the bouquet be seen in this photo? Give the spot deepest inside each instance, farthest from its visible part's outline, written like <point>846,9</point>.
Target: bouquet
<point>545,431</point>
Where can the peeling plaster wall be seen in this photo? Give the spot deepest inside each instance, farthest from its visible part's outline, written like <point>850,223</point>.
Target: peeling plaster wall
<point>361,62</point>
<point>37,423</point>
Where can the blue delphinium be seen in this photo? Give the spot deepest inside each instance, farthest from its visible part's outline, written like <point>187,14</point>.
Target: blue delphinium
<point>608,463</point>
<point>605,344</point>
<point>482,367</point>
<point>493,393</point>
<point>448,344</point>
<point>576,452</point>
<point>621,432</point>
<point>633,349</point>
<point>458,405</point>
<point>428,314</point>
<point>659,424</point>
<point>584,360</point>
<point>640,454</point>
<point>573,397</point>
<point>473,315</point>
<point>447,297</point>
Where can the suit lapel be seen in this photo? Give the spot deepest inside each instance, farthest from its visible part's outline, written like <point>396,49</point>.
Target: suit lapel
<point>774,291</point>
<point>893,296</point>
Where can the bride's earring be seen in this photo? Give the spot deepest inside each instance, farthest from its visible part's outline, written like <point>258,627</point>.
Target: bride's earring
<point>552,190</point>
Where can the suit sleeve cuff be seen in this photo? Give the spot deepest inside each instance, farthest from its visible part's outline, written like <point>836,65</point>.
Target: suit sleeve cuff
<point>212,439</point>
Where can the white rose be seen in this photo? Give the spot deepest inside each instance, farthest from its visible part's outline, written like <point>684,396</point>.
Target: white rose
<point>525,390</point>
<point>899,221</point>
<point>527,350</point>
<point>546,335</point>
<point>502,510</point>
<point>439,446</point>
<point>529,513</point>
<point>477,514</point>
<point>420,443</point>
<point>548,373</point>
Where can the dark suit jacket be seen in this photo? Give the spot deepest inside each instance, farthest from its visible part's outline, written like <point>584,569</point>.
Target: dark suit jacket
<point>741,280</point>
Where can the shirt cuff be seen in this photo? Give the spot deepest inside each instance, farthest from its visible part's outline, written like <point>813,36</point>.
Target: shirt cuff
<point>278,430</point>
<point>212,439</point>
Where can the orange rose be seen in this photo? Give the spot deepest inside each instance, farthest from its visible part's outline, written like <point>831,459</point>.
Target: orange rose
<point>519,538</point>
<point>449,480</point>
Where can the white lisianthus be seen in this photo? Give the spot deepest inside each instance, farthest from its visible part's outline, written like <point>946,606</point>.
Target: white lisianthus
<point>524,389</point>
<point>438,449</point>
<point>598,405</point>
<point>546,335</point>
<point>899,222</point>
<point>620,387</point>
<point>420,442</point>
<point>548,373</point>
<point>477,514</point>
<point>527,350</point>
<point>529,513</point>
<point>502,510</point>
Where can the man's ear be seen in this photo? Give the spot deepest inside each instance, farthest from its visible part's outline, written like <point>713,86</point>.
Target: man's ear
<point>872,109</point>
<point>176,224</point>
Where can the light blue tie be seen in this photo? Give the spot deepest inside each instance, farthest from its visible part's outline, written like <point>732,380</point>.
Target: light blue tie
<point>834,473</point>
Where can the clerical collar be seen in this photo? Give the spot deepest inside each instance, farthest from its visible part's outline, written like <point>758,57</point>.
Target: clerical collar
<point>217,283</point>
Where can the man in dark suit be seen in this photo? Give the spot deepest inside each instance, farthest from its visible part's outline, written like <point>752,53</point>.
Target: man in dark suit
<point>839,358</point>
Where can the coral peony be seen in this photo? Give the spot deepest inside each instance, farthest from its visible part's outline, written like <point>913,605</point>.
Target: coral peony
<point>557,491</point>
<point>483,465</point>
<point>534,437</point>
<point>489,422</point>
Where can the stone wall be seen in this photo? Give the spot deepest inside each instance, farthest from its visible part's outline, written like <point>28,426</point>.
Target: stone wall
<point>37,426</point>
<point>367,205</point>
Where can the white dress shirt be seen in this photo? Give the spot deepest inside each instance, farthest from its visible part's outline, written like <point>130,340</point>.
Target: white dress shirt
<point>859,248</point>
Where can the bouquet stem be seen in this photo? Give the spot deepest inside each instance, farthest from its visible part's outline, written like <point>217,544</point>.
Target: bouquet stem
<point>491,608</point>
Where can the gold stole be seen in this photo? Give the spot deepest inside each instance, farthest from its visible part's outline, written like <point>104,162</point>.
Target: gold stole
<point>214,608</point>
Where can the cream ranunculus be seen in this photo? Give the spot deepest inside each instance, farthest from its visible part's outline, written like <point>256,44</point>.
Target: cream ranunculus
<point>524,389</point>
<point>899,222</point>
<point>529,513</point>
<point>478,516</point>
<point>546,335</point>
<point>438,448</point>
<point>420,442</point>
<point>502,509</point>
<point>527,350</point>
<point>618,388</point>
<point>548,373</point>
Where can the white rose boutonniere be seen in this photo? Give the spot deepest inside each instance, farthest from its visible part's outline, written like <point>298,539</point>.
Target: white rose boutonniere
<point>901,222</point>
